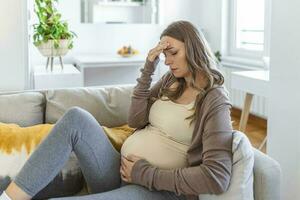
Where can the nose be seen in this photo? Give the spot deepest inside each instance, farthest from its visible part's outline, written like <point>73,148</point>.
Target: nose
<point>168,60</point>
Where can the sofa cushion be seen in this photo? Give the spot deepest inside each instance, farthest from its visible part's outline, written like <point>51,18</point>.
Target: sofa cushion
<point>118,135</point>
<point>109,105</point>
<point>241,184</point>
<point>18,143</point>
<point>25,109</point>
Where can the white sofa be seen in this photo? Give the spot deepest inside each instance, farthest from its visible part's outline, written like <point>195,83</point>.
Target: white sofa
<point>109,105</point>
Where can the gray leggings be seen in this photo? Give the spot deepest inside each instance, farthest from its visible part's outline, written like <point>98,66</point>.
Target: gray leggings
<point>79,131</point>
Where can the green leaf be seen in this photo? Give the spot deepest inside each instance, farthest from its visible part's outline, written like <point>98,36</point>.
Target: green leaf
<point>50,26</point>
<point>56,44</point>
<point>70,46</point>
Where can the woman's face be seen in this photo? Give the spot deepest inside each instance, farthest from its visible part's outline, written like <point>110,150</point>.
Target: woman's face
<point>175,57</point>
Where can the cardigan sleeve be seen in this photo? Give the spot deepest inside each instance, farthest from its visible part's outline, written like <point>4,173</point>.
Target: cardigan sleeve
<point>141,97</point>
<point>212,176</point>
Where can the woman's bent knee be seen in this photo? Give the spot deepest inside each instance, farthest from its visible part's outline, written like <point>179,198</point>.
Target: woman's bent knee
<point>75,111</point>
<point>75,118</point>
<point>79,119</point>
<point>77,115</point>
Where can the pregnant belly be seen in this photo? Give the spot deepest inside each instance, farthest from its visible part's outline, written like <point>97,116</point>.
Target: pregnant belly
<point>157,149</point>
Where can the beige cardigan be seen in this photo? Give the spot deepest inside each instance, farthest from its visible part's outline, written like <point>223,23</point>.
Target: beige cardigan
<point>209,156</point>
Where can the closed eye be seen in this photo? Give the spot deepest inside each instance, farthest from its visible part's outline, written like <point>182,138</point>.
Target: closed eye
<point>167,52</point>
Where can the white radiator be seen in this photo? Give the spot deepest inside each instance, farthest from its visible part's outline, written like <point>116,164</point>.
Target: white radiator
<point>259,104</point>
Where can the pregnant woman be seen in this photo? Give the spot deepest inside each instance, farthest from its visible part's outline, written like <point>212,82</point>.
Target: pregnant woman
<point>180,149</point>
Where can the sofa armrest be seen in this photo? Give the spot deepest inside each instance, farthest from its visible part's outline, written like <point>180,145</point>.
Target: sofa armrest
<point>267,176</point>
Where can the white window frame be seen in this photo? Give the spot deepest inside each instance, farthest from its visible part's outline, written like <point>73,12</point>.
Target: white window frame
<point>244,57</point>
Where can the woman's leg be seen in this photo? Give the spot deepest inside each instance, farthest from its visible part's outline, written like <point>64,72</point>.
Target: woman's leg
<point>128,192</point>
<point>76,131</point>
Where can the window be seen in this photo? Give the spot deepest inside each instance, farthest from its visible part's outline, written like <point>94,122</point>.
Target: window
<point>249,28</point>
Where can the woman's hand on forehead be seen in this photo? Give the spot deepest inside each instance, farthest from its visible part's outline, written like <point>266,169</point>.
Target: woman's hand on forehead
<point>160,47</point>
<point>164,41</point>
<point>163,44</point>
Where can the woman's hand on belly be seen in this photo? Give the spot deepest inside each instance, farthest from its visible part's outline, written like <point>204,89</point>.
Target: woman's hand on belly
<point>126,166</point>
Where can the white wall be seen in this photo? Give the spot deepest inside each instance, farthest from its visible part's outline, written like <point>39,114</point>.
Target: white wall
<point>209,18</point>
<point>172,10</point>
<point>13,45</point>
<point>205,14</point>
<point>284,108</point>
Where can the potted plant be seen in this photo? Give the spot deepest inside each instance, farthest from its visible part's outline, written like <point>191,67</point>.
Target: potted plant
<point>218,56</point>
<point>51,35</point>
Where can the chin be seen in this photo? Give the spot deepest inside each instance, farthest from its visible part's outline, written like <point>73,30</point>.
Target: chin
<point>177,74</point>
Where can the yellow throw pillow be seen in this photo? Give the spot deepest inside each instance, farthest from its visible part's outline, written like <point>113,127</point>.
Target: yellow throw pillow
<point>16,138</point>
<point>18,143</point>
<point>118,135</point>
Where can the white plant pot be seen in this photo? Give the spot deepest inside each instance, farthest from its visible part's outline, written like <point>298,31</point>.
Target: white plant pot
<point>48,50</point>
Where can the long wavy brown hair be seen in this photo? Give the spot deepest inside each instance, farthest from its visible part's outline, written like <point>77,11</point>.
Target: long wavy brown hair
<point>199,58</point>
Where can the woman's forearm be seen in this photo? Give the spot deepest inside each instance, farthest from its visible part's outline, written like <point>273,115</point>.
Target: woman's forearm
<point>139,108</point>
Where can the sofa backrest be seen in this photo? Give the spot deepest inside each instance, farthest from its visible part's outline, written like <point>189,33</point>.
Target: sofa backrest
<point>108,104</point>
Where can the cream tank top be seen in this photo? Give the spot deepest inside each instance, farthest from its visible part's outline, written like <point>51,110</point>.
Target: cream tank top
<point>166,139</point>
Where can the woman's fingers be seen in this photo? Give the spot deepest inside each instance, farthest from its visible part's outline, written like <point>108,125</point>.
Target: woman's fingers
<point>123,172</point>
<point>123,161</point>
<point>162,46</point>
<point>133,157</point>
<point>124,177</point>
<point>153,53</point>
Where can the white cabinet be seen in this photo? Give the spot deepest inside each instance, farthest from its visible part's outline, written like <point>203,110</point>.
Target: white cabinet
<point>69,76</point>
<point>110,69</point>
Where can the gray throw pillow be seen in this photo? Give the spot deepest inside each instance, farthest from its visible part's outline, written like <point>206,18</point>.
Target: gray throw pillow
<point>109,105</point>
<point>24,109</point>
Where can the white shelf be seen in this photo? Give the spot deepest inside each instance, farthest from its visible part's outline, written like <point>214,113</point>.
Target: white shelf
<point>109,60</point>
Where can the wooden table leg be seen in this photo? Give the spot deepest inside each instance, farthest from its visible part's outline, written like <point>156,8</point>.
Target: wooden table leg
<point>263,143</point>
<point>245,112</point>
